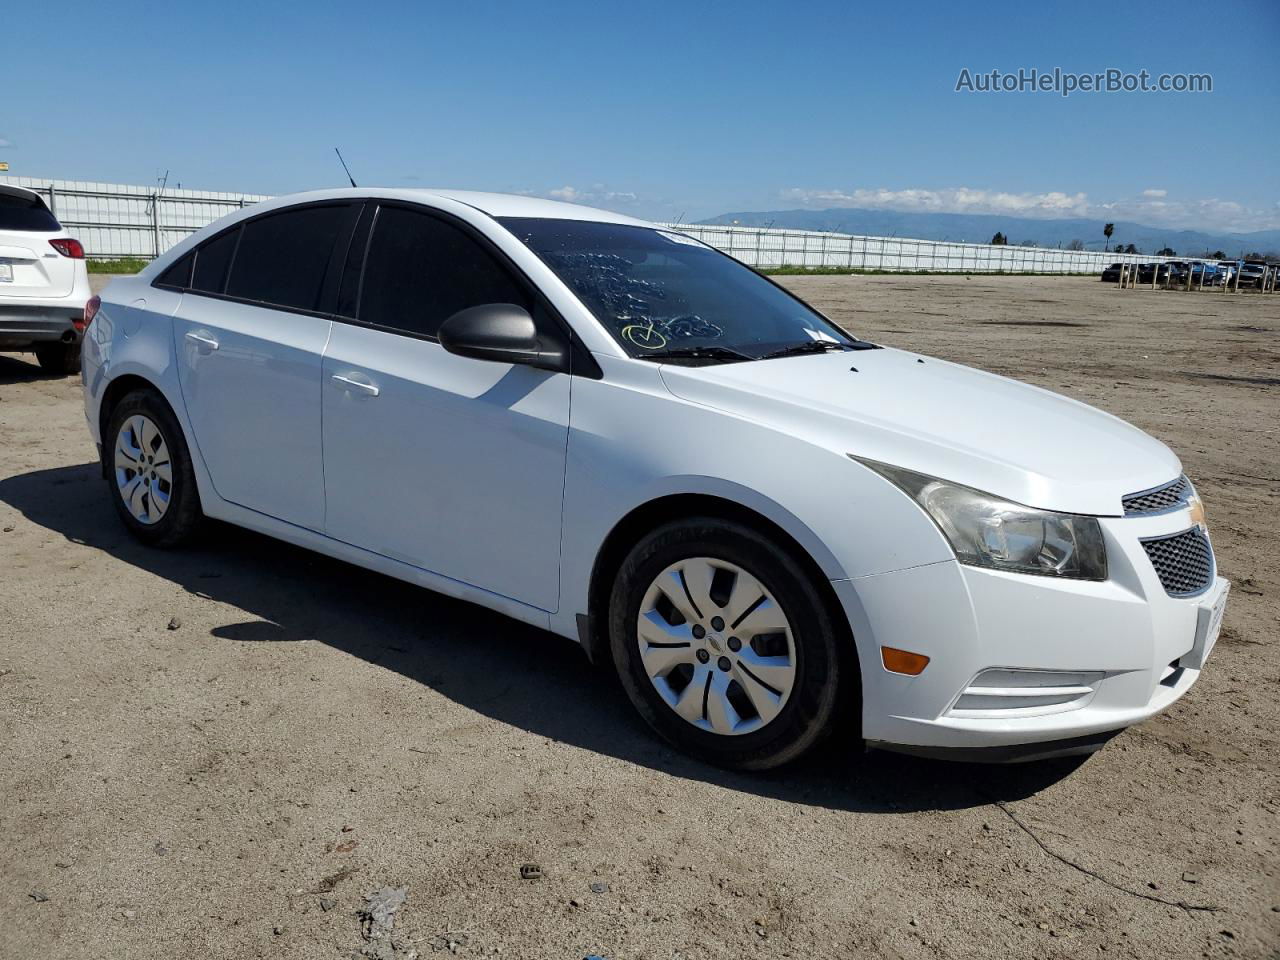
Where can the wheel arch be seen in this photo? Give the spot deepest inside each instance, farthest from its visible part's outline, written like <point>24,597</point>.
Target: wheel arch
<point>593,628</point>
<point>115,391</point>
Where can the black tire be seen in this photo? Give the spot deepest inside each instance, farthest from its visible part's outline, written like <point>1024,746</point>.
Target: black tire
<point>62,359</point>
<point>183,516</point>
<point>826,687</point>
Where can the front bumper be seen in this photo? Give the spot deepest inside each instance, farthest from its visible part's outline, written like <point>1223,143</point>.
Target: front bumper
<point>1124,650</point>
<point>22,325</point>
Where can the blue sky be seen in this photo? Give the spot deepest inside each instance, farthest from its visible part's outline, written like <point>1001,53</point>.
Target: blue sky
<point>661,109</point>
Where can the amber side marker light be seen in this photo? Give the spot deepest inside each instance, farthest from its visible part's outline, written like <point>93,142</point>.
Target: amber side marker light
<point>903,661</point>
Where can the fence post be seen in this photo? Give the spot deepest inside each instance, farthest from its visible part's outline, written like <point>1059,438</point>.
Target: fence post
<point>155,224</point>
<point>53,200</point>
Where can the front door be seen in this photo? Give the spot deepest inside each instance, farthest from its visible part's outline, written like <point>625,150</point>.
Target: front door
<point>447,463</point>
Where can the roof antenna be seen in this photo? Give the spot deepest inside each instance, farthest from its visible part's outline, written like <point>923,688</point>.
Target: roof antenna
<point>344,166</point>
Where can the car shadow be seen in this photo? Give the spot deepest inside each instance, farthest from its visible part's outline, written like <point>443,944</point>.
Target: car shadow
<point>15,370</point>
<point>501,668</point>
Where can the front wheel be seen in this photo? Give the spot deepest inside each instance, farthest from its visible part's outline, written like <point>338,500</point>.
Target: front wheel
<point>724,645</point>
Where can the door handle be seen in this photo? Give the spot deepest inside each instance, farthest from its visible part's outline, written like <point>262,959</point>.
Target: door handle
<point>205,343</point>
<point>368,389</point>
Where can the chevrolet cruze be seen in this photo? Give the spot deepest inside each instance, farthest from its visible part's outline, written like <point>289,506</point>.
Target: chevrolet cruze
<point>770,528</point>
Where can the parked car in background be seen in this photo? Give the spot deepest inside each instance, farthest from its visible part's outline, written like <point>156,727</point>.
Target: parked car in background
<point>1112,273</point>
<point>768,527</point>
<point>1145,271</point>
<point>43,282</point>
<point>1252,273</point>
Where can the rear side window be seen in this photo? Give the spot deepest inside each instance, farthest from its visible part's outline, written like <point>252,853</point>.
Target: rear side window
<point>421,270</point>
<point>283,257</point>
<point>212,260</point>
<point>21,211</point>
<point>178,276</point>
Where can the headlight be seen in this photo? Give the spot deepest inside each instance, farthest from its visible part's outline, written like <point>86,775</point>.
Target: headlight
<point>986,531</point>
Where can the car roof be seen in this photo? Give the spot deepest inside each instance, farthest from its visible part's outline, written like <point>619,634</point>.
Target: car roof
<point>493,204</point>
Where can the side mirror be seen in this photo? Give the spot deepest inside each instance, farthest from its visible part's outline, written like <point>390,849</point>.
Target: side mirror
<point>505,333</point>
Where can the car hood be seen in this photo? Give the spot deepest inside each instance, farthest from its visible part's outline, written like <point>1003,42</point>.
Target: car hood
<point>942,419</point>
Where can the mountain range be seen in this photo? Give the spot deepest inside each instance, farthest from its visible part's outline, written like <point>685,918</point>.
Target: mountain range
<point>980,228</point>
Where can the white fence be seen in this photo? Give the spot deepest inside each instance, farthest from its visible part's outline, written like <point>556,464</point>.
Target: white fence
<point>806,248</point>
<point>115,220</point>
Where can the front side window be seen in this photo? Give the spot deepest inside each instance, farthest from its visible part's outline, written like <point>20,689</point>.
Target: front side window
<point>421,270</point>
<point>657,291</point>
<point>283,257</point>
<point>21,211</point>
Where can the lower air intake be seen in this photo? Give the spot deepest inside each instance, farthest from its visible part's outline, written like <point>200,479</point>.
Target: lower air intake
<point>1002,693</point>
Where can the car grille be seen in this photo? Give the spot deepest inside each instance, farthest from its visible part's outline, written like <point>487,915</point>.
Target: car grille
<point>1158,500</point>
<point>1184,562</point>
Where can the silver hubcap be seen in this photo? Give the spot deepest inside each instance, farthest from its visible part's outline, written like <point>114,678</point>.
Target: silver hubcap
<point>716,646</point>
<point>144,475</point>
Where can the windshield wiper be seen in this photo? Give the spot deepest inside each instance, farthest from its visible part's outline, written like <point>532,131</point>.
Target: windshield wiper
<point>723,354</point>
<point>810,346</point>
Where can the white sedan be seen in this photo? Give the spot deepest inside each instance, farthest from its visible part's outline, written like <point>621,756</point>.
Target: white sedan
<point>768,527</point>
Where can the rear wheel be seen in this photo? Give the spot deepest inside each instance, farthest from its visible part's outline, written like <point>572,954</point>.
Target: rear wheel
<point>153,484</point>
<point>59,358</point>
<point>724,645</point>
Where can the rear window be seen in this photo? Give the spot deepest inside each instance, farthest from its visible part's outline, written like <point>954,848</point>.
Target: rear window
<point>19,211</point>
<point>178,276</point>
<point>212,260</point>
<point>283,257</point>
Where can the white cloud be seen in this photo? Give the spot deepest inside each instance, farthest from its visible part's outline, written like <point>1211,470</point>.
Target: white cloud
<point>1153,206</point>
<point>949,200</point>
<point>5,143</point>
<point>596,194</point>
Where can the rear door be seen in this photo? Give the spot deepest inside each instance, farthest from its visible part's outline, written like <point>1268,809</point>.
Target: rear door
<point>29,265</point>
<point>447,463</point>
<point>250,336</point>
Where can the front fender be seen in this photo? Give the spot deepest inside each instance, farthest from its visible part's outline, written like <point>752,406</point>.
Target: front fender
<point>632,442</point>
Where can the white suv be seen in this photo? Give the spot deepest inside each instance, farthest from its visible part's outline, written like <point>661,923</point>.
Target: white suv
<point>44,285</point>
<point>614,432</point>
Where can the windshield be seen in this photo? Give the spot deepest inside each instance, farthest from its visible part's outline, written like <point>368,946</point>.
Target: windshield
<point>660,292</point>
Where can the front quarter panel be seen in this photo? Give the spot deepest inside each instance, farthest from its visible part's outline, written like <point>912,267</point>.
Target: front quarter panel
<point>631,442</point>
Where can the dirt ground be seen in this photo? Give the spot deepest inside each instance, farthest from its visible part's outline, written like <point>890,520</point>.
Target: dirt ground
<point>219,752</point>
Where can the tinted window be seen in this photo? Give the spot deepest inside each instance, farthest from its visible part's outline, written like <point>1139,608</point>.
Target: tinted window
<point>282,258</point>
<point>658,290</point>
<point>422,270</point>
<point>212,260</point>
<point>21,211</point>
<point>178,275</point>
<point>347,305</point>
